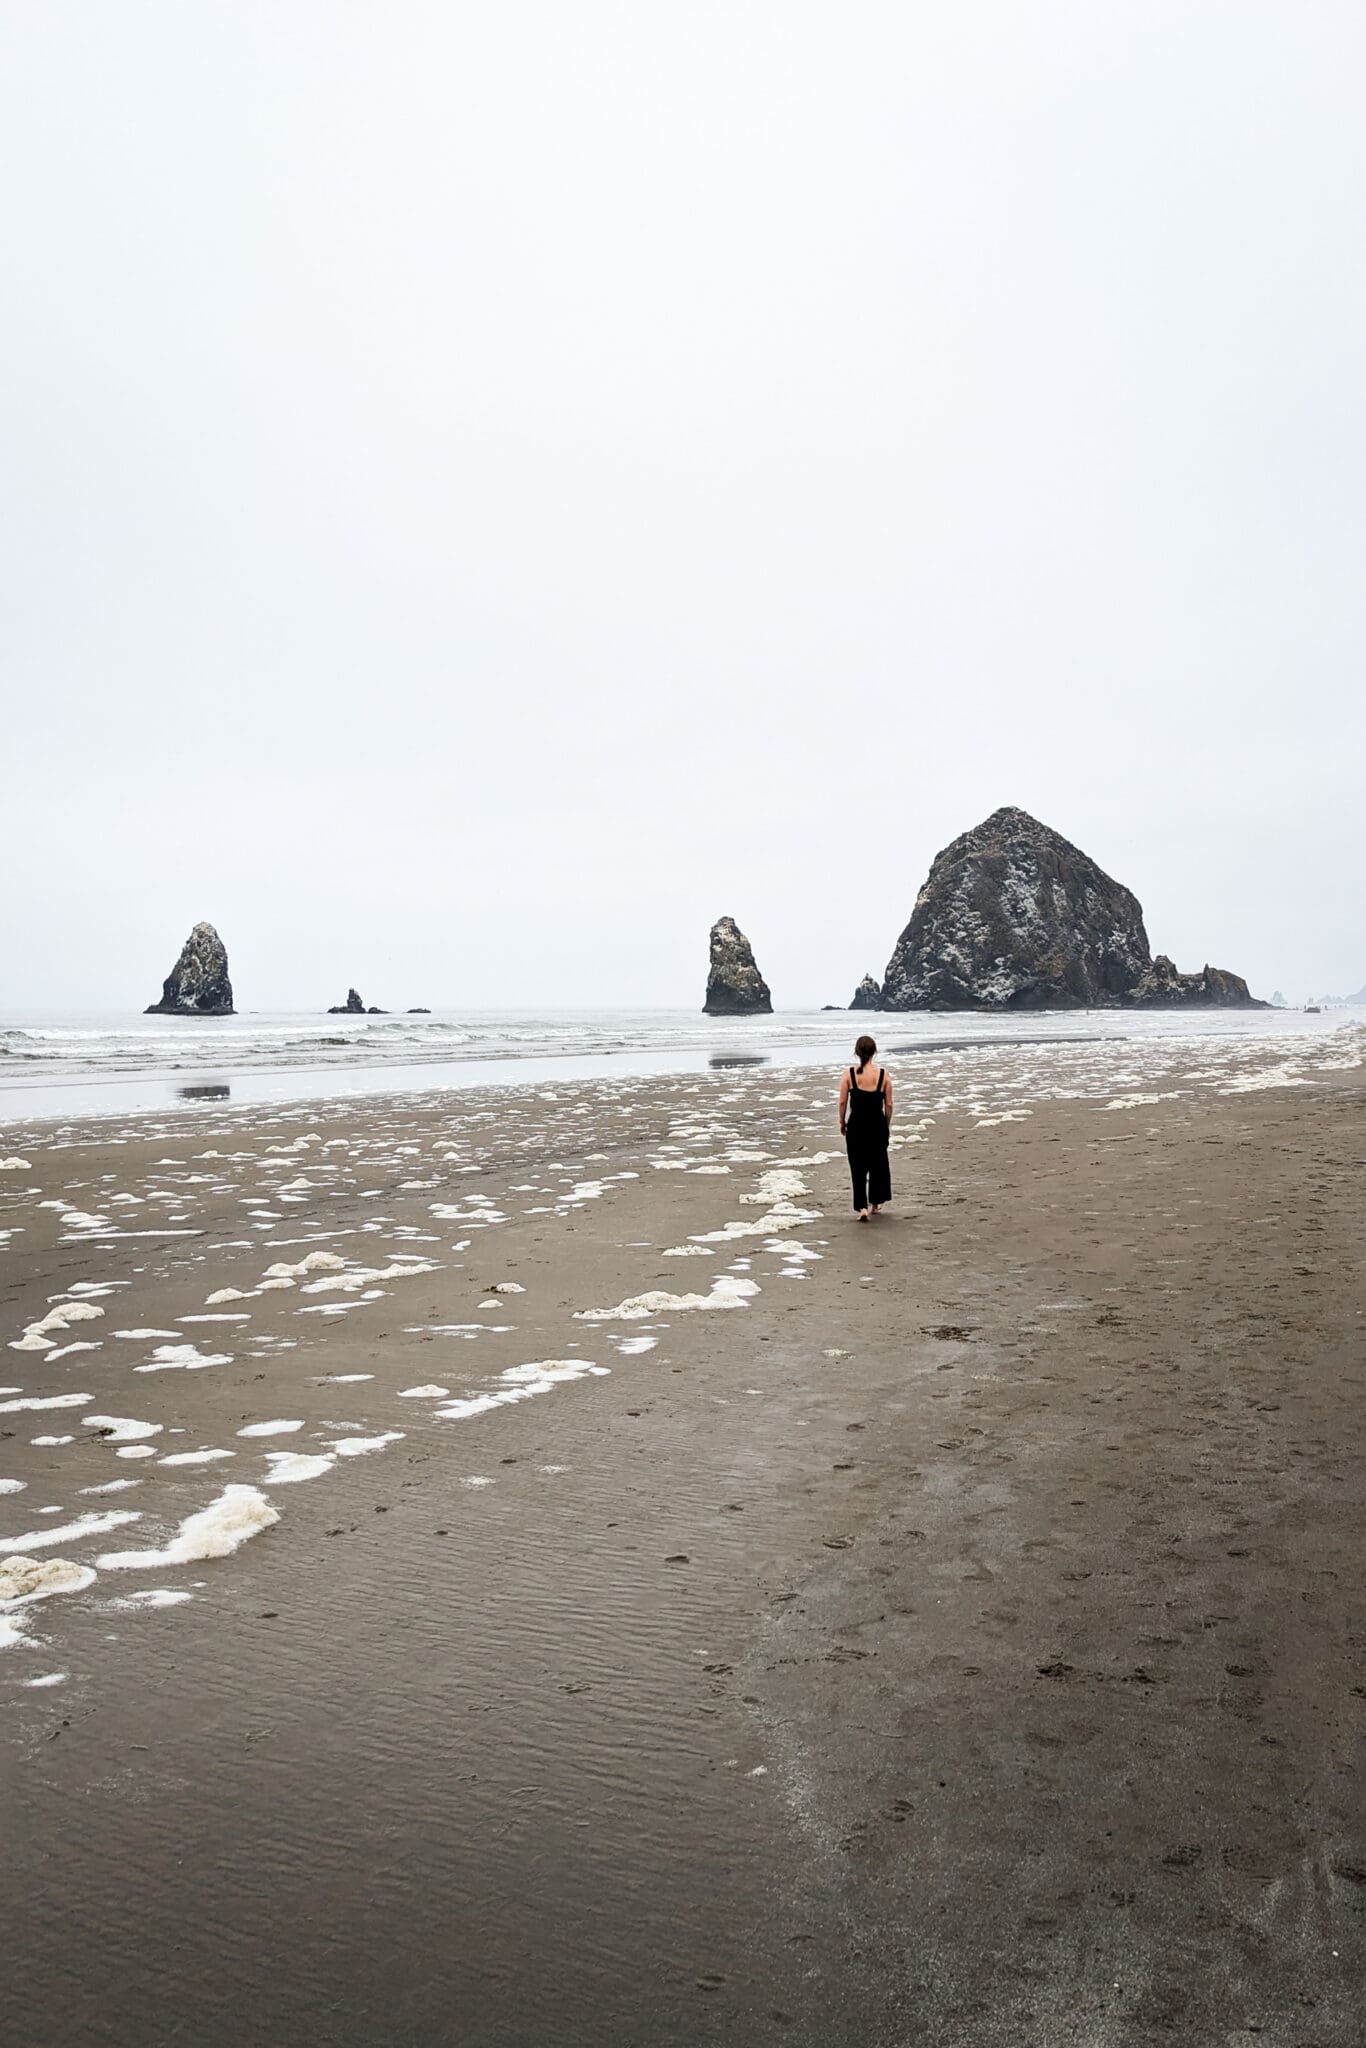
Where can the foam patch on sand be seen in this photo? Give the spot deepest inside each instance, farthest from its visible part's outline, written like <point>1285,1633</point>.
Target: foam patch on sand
<point>778,1185</point>
<point>158,1596</point>
<point>366,1276</point>
<point>45,1401</point>
<point>239,1512</point>
<point>196,1457</point>
<point>183,1358</point>
<point>270,1428</point>
<point>287,1468</point>
<point>84,1525</point>
<point>24,1579</point>
<point>360,1446</point>
<point>432,1393</point>
<point>12,1485</point>
<point>726,1292</point>
<point>522,1383</point>
<point>36,1338</point>
<point>121,1429</point>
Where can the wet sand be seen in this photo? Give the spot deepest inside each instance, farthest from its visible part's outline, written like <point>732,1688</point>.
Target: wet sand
<point>960,1642</point>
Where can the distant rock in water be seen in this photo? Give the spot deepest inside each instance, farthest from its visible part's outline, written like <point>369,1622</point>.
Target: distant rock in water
<point>352,1007</point>
<point>198,985</point>
<point>1217,989</point>
<point>1014,917</point>
<point>868,995</point>
<point>375,1011</point>
<point>419,1010</point>
<point>735,987</point>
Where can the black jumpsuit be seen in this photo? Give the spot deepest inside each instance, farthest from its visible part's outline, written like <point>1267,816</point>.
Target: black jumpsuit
<point>866,1140</point>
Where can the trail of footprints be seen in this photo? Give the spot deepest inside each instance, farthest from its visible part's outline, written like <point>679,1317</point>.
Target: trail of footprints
<point>765,1131</point>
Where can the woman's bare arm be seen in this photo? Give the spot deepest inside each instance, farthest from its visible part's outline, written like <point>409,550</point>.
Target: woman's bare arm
<point>844,1102</point>
<point>887,1097</point>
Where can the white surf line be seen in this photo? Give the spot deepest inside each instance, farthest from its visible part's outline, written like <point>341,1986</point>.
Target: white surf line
<point>239,1512</point>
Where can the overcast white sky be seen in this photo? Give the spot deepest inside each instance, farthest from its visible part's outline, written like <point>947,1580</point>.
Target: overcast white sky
<point>486,488</point>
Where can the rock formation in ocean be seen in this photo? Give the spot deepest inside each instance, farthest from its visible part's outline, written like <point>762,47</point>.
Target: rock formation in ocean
<point>735,987</point>
<point>352,1007</point>
<point>868,995</point>
<point>1215,987</point>
<point>419,1010</point>
<point>198,985</point>
<point>1014,917</point>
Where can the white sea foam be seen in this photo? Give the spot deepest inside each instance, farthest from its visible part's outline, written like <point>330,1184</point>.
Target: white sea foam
<point>45,1401</point>
<point>26,1578</point>
<point>196,1457</point>
<point>726,1292</point>
<point>12,1485</point>
<point>182,1357</point>
<point>287,1468</point>
<point>155,1596</point>
<point>270,1428</point>
<point>121,1429</point>
<point>522,1383</point>
<point>216,1531</point>
<point>84,1525</point>
<point>429,1393</point>
<point>359,1446</point>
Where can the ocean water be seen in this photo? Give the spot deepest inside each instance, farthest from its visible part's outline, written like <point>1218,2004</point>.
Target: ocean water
<point>62,1064</point>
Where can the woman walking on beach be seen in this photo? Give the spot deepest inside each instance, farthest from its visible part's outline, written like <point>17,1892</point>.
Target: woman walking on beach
<point>865,1122</point>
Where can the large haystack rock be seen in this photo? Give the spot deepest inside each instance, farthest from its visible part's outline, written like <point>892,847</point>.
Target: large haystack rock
<point>198,985</point>
<point>1014,917</point>
<point>735,987</point>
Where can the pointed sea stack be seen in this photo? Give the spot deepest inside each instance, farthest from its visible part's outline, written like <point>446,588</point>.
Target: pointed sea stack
<point>198,985</point>
<point>868,995</point>
<point>1014,917</point>
<point>352,1007</point>
<point>735,987</point>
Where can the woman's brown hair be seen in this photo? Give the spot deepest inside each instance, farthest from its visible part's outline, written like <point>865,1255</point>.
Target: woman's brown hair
<point>865,1047</point>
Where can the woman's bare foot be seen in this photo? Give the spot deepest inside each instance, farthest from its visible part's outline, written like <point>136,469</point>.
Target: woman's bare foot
<point>863,1215</point>
<point>877,1209</point>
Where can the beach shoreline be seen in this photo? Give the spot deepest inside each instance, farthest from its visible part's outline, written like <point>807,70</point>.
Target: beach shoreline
<point>953,1637</point>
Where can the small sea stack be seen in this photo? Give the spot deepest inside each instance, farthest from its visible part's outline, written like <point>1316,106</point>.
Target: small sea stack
<point>868,995</point>
<point>198,984</point>
<point>735,987</point>
<point>352,1007</point>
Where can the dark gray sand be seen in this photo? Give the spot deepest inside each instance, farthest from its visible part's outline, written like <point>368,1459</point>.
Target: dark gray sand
<point>1000,1679</point>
